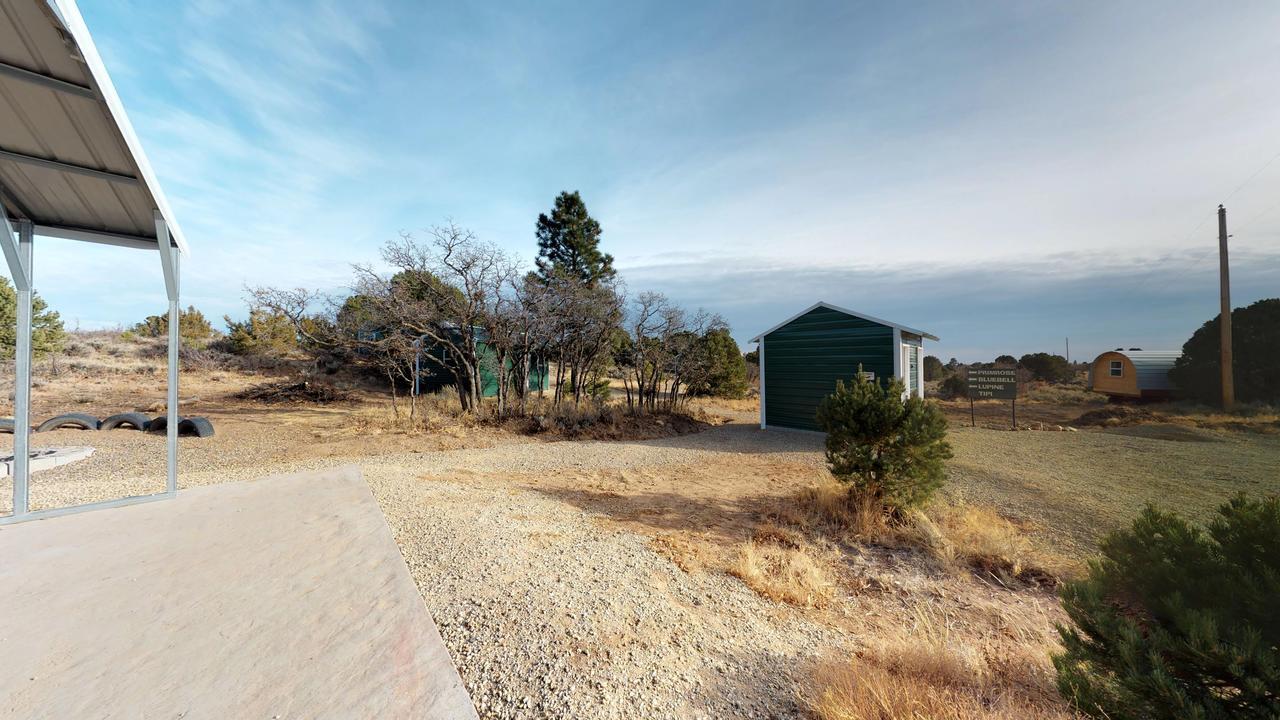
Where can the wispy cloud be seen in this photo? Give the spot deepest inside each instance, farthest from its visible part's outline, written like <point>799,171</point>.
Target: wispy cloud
<point>1016,306</point>
<point>749,157</point>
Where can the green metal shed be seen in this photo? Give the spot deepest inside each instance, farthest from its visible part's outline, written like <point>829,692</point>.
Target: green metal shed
<point>802,357</point>
<point>434,374</point>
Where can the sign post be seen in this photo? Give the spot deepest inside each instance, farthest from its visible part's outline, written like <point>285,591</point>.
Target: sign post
<point>994,384</point>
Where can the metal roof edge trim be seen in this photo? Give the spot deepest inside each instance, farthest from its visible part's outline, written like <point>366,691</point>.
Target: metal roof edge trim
<point>75,25</point>
<point>846,311</point>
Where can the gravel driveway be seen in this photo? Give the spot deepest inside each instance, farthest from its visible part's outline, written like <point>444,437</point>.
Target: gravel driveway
<point>546,613</point>
<point>718,444</point>
<point>549,614</point>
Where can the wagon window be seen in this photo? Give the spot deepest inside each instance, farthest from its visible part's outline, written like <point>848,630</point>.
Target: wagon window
<point>1117,368</point>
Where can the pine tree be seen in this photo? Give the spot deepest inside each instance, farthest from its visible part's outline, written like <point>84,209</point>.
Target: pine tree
<point>726,370</point>
<point>263,333</point>
<point>569,242</point>
<point>1177,621</point>
<point>890,449</point>
<point>193,328</point>
<point>933,368</point>
<point>1255,337</point>
<point>47,334</point>
<point>1046,367</point>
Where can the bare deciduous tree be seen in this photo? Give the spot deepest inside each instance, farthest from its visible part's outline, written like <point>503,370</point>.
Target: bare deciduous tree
<point>663,355</point>
<point>468,305</point>
<point>445,291</point>
<point>582,318</point>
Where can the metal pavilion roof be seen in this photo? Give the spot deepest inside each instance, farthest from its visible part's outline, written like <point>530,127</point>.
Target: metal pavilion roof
<point>72,167</point>
<point>70,161</point>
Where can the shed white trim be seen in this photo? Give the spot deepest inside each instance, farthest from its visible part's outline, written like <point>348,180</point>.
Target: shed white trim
<point>920,370</point>
<point>899,361</point>
<point>762,403</point>
<point>846,311</point>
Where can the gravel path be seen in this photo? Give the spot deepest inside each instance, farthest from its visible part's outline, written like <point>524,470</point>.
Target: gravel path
<point>127,462</point>
<point>715,445</point>
<point>548,615</point>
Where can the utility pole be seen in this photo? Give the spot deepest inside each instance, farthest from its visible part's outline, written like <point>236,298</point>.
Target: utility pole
<point>1068,351</point>
<point>1224,318</point>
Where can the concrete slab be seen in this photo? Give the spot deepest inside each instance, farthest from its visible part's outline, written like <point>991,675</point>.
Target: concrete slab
<point>45,458</point>
<point>280,598</point>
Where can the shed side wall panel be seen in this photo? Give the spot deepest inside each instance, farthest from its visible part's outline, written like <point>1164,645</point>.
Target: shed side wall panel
<point>806,356</point>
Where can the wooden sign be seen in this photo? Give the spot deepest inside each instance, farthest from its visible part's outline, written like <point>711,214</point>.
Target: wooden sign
<point>994,384</point>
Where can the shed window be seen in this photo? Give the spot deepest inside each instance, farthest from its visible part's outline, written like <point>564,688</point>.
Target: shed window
<point>1117,368</point>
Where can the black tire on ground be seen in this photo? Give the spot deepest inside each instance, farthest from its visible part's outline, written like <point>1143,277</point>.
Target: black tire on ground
<point>6,425</point>
<point>135,420</point>
<point>159,423</point>
<point>196,426</point>
<point>69,420</point>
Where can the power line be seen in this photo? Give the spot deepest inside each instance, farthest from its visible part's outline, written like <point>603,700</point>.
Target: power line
<point>1133,289</point>
<point>1257,217</point>
<point>1265,165</point>
<point>1192,266</point>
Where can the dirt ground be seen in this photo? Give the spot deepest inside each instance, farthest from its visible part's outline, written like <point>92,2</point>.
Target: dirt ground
<point>600,579</point>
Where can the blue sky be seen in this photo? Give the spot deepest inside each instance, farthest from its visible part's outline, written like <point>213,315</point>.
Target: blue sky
<point>1002,174</point>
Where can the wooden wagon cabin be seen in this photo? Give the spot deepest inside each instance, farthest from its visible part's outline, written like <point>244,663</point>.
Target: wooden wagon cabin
<point>1133,373</point>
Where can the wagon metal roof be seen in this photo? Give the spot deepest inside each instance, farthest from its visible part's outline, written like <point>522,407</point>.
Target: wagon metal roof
<point>1151,366</point>
<point>829,306</point>
<point>70,161</point>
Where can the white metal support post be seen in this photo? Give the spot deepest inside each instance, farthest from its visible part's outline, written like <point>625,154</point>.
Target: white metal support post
<point>169,262</point>
<point>763,408</point>
<point>22,378</point>
<point>18,255</point>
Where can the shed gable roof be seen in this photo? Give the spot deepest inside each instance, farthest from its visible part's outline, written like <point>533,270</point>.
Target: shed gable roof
<point>829,306</point>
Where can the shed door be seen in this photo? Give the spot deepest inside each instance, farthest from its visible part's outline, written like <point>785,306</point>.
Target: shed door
<point>911,361</point>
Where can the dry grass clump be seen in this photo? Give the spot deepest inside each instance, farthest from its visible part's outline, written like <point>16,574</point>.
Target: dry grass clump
<point>442,412</point>
<point>103,353</point>
<point>962,537</point>
<point>929,674</point>
<point>436,412</point>
<point>776,564</point>
<point>1064,394</point>
<point>977,538</point>
<point>829,507</point>
<point>713,405</point>
<point>1250,417</point>
<point>608,421</point>
<point>687,554</point>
